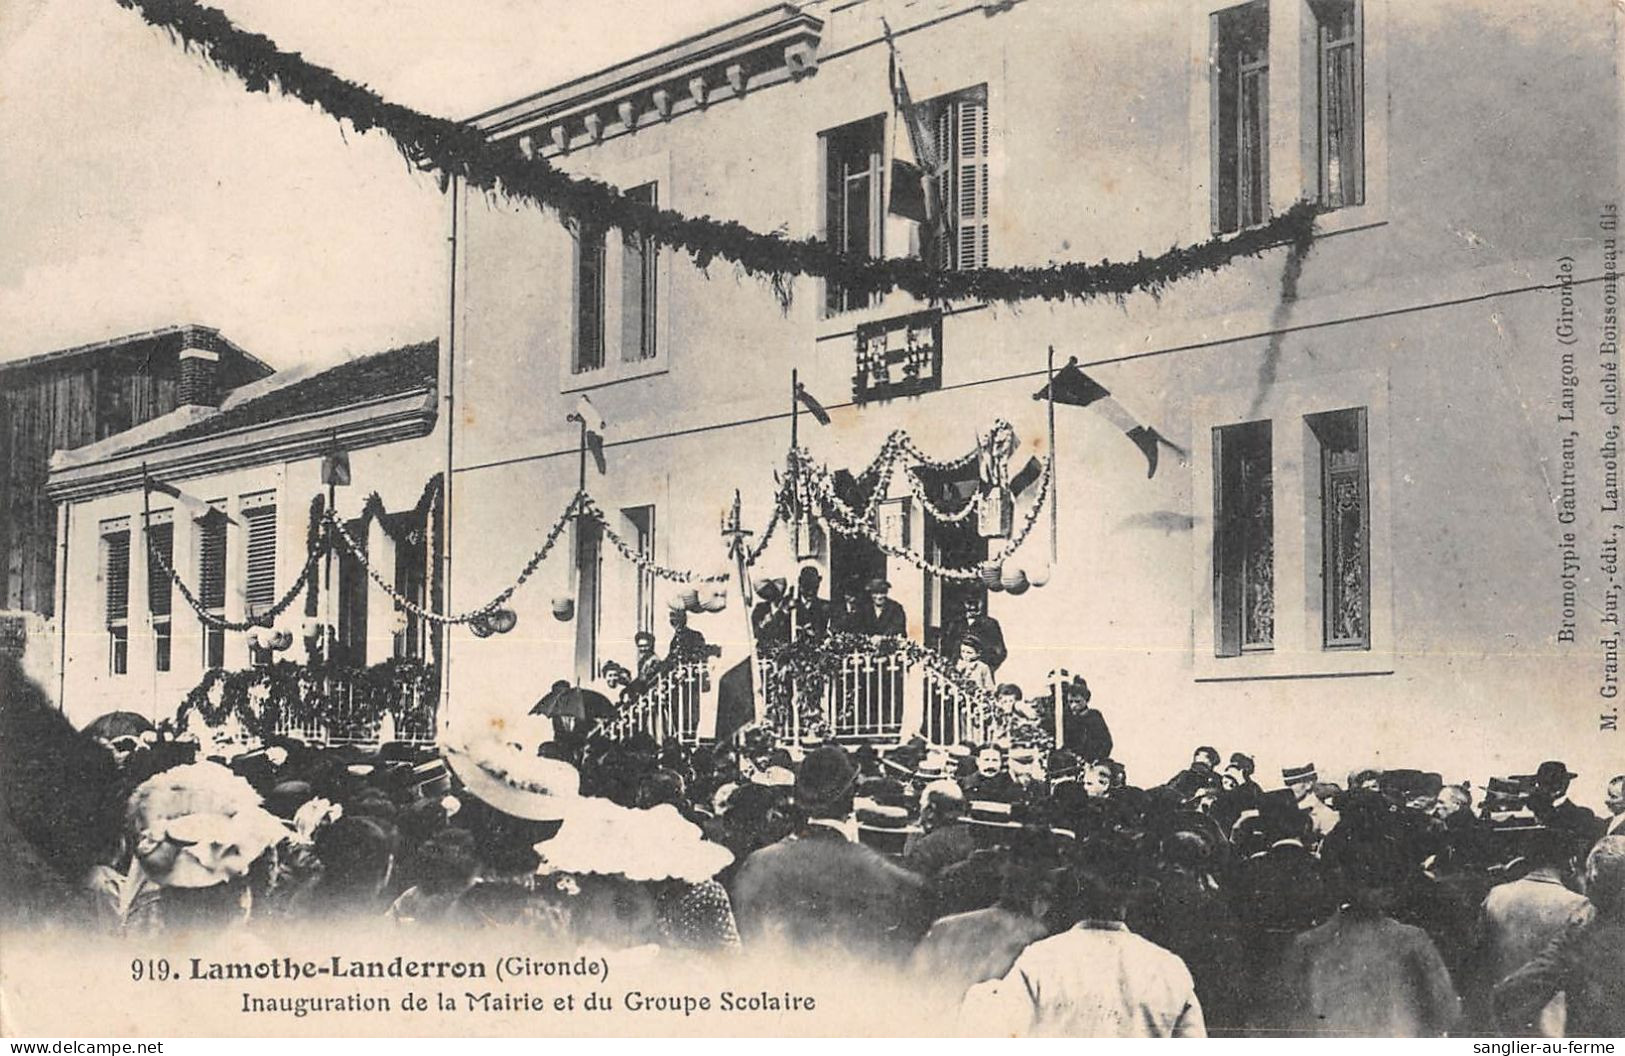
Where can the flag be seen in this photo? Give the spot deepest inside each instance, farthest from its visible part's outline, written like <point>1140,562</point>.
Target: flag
<point>911,171</point>
<point>736,699</point>
<point>809,401</point>
<point>195,506</point>
<point>336,468</point>
<point>1072,386</point>
<point>1026,476</point>
<point>588,416</point>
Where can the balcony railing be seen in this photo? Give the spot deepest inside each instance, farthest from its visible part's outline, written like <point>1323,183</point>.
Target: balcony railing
<point>671,705</point>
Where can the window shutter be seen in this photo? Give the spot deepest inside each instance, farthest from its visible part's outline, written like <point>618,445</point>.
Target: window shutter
<point>117,573</point>
<point>639,274</point>
<point>590,253</point>
<point>212,562</point>
<point>160,542</point>
<point>261,528</point>
<point>970,159</point>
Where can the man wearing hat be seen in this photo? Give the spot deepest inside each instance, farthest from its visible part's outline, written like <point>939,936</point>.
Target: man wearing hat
<point>811,611</point>
<point>1519,918</point>
<point>976,623</point>
<point>877,613</point>
<point>1201,777</point>
<point>1239,774</point>
<point>820,888</point>
<point>770,618</point>
<point>1551,804</point>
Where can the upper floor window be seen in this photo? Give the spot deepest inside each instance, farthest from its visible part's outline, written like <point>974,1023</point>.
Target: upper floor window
<point>640,286</point>
<point>1239,110</point>
<point>1341,76</point>
<point>1244,539</point>
<point>259,525</point>
<point>116,593</point>
<point>591,252</point>
<point>852,199</point>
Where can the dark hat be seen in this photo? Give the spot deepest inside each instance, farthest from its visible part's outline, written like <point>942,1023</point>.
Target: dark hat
<point>1242,763</point>
<point>643,636</point>
<point>1292,775</point>
<point>770,589</point>
<point>826,775</point>
<point>1209,751</point>
<point>287,797</point>
<point>876,584</point>
<point>1553,772</point>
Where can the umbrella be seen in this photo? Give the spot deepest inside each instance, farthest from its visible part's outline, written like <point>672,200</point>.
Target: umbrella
<point>116,724</point>
<point>575,702</point>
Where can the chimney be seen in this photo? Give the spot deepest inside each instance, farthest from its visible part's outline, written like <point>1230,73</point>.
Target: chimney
<point>198,386</point>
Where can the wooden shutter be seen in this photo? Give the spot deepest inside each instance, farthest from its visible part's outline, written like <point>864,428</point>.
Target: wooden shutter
<point>160,591</point>
<point>260,588</point>
<point>212,562</point>
<point>116,575</point>
<point>639,273</point>
<point>590,252</point>
<point>963,141</point>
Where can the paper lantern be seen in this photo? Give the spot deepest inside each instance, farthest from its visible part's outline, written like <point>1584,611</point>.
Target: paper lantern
<point>715,602</point>
<point>563,608</point>
<point>281,640</point>
<point>991,575</point>
<point>676,603</point>
<point>1014,581</point>
<point>310,627</point>
<point>503,620</point>
<point>690,599</point>
<point>480,627</point>
<point>1038,575</point>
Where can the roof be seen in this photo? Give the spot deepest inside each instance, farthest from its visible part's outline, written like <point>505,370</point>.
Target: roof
<point>409,368</point>
<point>165,341</point>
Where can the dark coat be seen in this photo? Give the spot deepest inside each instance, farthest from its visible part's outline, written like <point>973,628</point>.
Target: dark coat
<point>1586,961</point>
<point>890,620</point>
<point>817,890</point>
<point>932,852</point>
<point>812,617</point>
<point>1086,735</point>
<point>1365,975</point>
<point>986,630</point>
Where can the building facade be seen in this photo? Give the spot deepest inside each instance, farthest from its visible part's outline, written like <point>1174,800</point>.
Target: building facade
<point>225,498</point>
<point>1354,556</point>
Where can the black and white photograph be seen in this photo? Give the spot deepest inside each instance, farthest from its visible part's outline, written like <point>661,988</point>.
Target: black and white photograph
<point>861,518</point>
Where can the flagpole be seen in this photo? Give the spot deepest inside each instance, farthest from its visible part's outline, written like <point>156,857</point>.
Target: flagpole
<point>1054,491</point>
<point>795,421</point>
<point>146,563</point>
<point>737,533</point>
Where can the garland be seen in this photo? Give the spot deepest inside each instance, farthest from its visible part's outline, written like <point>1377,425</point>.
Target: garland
<point>590,508</point>
<point>343,702</point>
<point>264,619</point>
<point>457,150</point>
<point>404,603</point>
<point>843,519</point>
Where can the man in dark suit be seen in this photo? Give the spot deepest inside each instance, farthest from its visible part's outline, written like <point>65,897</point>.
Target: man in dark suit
<point>819,889</point>
<point>1083,729</point>
<point>1552,806</point>
<point>811,612</point>
<point>877,613</point>
<point>975,622</point>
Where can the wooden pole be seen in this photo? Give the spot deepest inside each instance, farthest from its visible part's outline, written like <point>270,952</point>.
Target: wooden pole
<point>795,421</point>
<point>1054,490</point>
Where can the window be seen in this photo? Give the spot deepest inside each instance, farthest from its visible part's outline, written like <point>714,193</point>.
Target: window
<point>409,532</point>
<point>853,212</point>
<point>160,590</point>
<point>1240,116</point>
<point>211,553</point>
<point>259,525</point>
<point>352,598</point>
<point>1340,65</point>
<point>1345,525</point>
<point>1244,543</point>
<point>962,146</point>
<point>640,282</point>
<point>116,593</point>
<point>591,249</point>
<point>641,520</point>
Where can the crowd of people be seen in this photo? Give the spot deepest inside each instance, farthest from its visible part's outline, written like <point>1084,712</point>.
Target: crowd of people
<point>1023,890</point>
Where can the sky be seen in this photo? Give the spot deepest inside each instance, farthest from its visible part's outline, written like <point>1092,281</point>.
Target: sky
<point>141,187</point>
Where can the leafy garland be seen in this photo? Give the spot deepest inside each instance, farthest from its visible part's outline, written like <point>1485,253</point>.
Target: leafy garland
<point>317,547</point>
<point>340,701</point>
<point>461,151</point>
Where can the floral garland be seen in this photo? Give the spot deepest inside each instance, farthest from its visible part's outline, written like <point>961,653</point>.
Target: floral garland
<point>406,604</point>
<point>590,508</point>
<point>461,151</point>
<point>289,695</point>
<point>263,619</point>
<point>842,518</point>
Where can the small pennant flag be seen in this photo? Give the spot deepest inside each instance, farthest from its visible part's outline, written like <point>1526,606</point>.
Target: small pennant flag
<point>196,507</point>
<point>588,415</point>
<point>912,164</point>
<point>1072,386</point>
<point>1026,476</point>
<point>809,401</point>
<point>595,447</point>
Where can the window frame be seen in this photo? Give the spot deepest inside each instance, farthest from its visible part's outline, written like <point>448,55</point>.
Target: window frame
<point>213,637</point>
<point>160,523</point>
<point>1355,43</point>
<point>1322,425</point>
<point>1231,538</point>
<point>836,205</point>
<point>259,509</point>
<point>115,536</point>
<point>1230,126</point>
